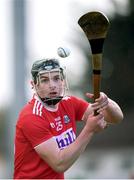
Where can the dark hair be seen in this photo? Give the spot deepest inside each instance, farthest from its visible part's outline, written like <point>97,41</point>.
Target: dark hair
<point>45,64</point>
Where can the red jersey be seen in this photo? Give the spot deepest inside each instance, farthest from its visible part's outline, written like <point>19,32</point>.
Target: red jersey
<point>37,124</point>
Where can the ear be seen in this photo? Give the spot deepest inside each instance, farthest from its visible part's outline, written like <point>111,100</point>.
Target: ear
<point>32,84</point>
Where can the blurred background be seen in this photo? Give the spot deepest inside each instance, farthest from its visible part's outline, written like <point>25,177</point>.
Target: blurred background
<point>34,29</point>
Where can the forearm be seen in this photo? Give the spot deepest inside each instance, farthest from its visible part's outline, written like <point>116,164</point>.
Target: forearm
<point>113,113</point>
<point>61,160</point>
<point>71,153</point>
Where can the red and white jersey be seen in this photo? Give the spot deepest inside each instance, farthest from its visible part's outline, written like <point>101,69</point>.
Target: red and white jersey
<point>37,124</point>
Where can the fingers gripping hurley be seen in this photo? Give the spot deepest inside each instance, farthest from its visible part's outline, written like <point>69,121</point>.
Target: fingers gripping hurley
<point>95,25</point>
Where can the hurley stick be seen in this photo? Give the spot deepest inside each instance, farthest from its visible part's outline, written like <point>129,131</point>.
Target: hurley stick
<point>95,25</point>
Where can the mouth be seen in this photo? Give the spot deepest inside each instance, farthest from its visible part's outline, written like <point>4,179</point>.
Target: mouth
<point>53,94</point>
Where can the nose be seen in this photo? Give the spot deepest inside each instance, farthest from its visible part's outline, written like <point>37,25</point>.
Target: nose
<point>52,84</point>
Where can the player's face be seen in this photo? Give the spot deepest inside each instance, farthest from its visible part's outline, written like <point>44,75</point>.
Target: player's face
<point>51,84</point>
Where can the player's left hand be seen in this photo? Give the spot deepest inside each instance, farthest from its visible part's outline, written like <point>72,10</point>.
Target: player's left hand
<point>101,103</point>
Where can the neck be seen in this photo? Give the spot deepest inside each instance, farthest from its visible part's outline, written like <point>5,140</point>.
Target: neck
<point>51,107</point>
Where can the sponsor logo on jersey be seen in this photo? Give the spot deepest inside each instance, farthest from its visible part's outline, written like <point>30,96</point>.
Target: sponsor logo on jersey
<point>66,119</point>
<point>66,138</point>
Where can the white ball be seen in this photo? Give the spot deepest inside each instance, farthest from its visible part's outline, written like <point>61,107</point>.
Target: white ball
<point>63,52</point>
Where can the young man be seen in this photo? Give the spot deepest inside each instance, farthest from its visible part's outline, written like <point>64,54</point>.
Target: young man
<point>46,144</point>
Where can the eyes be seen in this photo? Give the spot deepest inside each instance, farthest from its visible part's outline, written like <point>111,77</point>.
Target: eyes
<point>47,80</point>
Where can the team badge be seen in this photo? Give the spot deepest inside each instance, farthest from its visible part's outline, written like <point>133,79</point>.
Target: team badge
<point>66,119</point>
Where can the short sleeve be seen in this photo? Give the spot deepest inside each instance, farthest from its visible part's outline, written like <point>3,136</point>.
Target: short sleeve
<point>35,129</point>
<point>80,107</point>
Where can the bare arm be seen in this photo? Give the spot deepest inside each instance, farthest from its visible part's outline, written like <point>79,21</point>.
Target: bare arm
<point>61,160</point>
<point>113,113</point>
